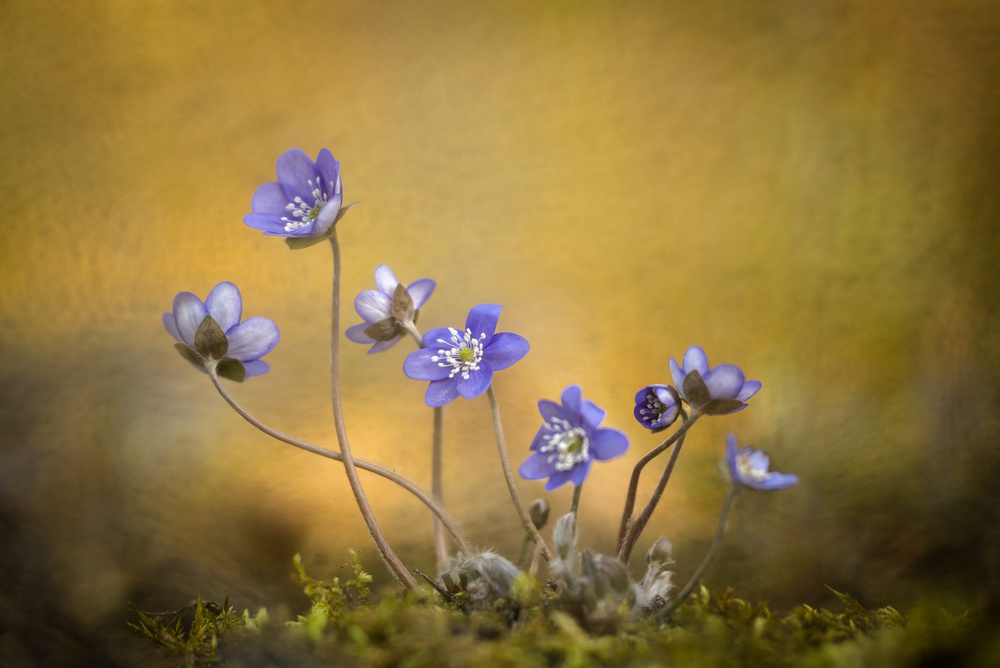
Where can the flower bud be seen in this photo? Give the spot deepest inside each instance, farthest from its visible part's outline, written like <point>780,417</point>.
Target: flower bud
<point>538,511</point>
<point>564,536</point>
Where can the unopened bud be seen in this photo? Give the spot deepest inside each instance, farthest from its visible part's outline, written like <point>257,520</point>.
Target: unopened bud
<point>538,511</point>
<point>564,536</point>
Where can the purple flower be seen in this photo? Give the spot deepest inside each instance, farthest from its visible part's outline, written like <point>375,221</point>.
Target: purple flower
<point>210,333</point>
<point>748,467</point>
<point>389,311</point>
<point>570,440</point>
<point>656,407</point>
<point>461,364</point>
<point>724,385</point>
<point>303,202</point>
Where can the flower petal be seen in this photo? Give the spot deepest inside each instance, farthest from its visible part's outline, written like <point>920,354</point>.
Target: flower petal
<point>678,375</point>
<point>535,467</point>
<point>608,443</point>
<point>731,444</point>
<point>385,279</point>
<point>327,216</point>
<point>441,392</point>
<point>170,323</point>
<point>571,398</point>
<point>695,359</point>
<point>268,223</point>
<point>329,171</point>
<point>483,320</point>
<point>252,339</point>
<point>357,334</point>
<point>504,350</point>
<point>478,382</point>
<point>189,311</point>
<point>420,291</point>
<point>437,337</point>
<point>295,170</point>
<point>256,367</point>
<point>225,304</point>
<point>269,199</point>
<point>379,346</point>
<point>373,306</point>
<point>750,388</point>
<point>578,473</point>
<point>591,413</point>
<point>549,409</point>
<point>558,479</point>
<point>724,381</point>
<point>419,366</point>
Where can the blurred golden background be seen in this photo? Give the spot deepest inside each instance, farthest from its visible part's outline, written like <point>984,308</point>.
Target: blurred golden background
<point>806,189</point>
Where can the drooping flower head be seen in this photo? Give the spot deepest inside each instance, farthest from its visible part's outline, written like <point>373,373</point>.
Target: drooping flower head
<point>210,333</point>
<point>749,468</point>
<point>461,363</point>
<point>569,441</point>
<point>656,407</point>
<point>724,386</point>
<point>388,310</point>
<point>303,202</point>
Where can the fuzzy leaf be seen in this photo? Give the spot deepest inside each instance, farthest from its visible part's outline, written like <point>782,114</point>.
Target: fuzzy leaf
<point>402,304</point>
<point>232,369</point>
<point>721,406</point>
<point>695,390</point>
<point>209,339</point>
<point>384,330</point>
<point>298,243</point>
<point>188,353</point>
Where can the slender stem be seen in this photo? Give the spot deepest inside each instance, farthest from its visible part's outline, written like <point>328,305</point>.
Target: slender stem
<point>575,503</point>
<point>636,528</point>
<point>716,542</point>
<point>437,489</point>
<point>633,485</point>
<point>508,475</point>
<point>392,476</point>
<point>392,561</point>
<point>412,330</point>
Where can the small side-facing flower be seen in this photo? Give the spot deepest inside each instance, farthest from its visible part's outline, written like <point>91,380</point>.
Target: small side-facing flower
<point>303,202</point>
<point>724,386</point>
<point>389,311</point>
<point>210,334</point>
<point>461,364</point>
<point>570,440</point>
<point>656,407</point>
<point>748,467</point>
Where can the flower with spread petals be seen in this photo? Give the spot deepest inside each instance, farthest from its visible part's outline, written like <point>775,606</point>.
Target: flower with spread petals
<point>656,407</point>
<point>717,391</point>
<point>389,311</point>
<point>461,363</point>
<point>570,440</point>
<point>210,334</point>
<point>305,200</point>
<point>748,467</point>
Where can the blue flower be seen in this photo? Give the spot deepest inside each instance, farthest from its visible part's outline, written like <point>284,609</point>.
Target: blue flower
<point>656,407</point>
<point>724,382</point>
<point>210,332</point>
<point>389,311</point>
<point>303,202</point>
<point>461,363</point>
<point>570,440</point>
<point>748,467</point>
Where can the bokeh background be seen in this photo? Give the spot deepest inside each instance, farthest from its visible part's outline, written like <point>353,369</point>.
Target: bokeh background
<point>805,188</point>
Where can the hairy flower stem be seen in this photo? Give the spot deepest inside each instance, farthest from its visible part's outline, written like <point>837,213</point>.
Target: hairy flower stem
<point>437,466</point>
<point>426,499</point>
<point>575,503</point>
<point>636,527</point>
<point>395,566</point>
<point>712,551</point>
<point>508,475</point>
<point>633,485</point>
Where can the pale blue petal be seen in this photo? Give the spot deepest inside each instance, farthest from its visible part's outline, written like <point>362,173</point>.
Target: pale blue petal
<point>189,311</point>
<point>373,306</point>
<point>385,279</point>
<point>327,216</point>
<point>535,467</point>
<point>225,304</point>
<point>724,381</point>
<point>750,388</point>
<point>256,368</point>
<point>252,339</point>
<point>419,366</point>
<point>678,375</point>
<point>695,360</point>
<point>478,382</point>
<point>269,199</point>
<point>357,334</point>
<point>441,392</point>
<point>170,323</point>
<point>379,346</point>
<point>608,443</point>
<point>483,320</point>
<point>295,170</point>
<point>504,350</point>
<point>420,291</point>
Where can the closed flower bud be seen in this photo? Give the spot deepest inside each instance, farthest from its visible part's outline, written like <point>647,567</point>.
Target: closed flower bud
<point>538,511</point>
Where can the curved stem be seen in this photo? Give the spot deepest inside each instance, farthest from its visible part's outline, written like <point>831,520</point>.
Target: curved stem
<point>712,551</point>
<point>636,528</point>
<point>508,475</point>
<point>633,485</point>
<point>392,561</point>
<point>575,503</point>
<point>431,504</point>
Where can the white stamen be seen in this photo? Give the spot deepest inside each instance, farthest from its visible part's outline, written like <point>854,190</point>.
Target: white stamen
<point>566,445</point>
<point>452,354</point>
<point>303,214</point>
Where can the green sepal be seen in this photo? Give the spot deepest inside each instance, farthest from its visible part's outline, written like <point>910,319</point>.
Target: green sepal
<point>721,406</point>
<point>188,353</point>
<point>209,339</point>
<point>231,369</point>
<point>298,243</point>
<point>695,390</point>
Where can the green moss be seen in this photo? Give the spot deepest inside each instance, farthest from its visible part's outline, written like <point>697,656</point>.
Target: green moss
<point>535,628</point>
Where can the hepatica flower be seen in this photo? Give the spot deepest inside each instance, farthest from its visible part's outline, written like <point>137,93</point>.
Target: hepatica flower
<point>748,467</point>
<point>303,202</point>
<point>210,334</point>
<point>656,407</point>
<point>570,440</point>
<point>389,311</point>
<point>460,363</point>
<point>718,391</point>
